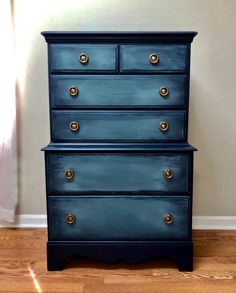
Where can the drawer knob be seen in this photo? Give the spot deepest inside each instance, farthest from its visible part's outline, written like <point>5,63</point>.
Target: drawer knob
<point>69,174</point>
<point>168,219</point>
<point>164,126</point>
<point>73,91</point>
<point>164,91</point>
<point>168,174</point>
<point>83,58</point>
<point>74,126</point>
<point>70,219</point>
<point>154,58</point>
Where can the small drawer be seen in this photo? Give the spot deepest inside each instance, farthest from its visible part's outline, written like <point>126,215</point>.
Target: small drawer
<point>153,58</point>
<point>118,91</point>
<point>119,218</point>
<point>118,172</point>
<point>77,126</point>
<point>84,58</point>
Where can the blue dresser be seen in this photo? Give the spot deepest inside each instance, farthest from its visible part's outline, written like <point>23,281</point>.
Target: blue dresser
<point>119,169</point>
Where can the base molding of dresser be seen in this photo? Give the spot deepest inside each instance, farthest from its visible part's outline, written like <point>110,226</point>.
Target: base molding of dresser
<point>60,252</point>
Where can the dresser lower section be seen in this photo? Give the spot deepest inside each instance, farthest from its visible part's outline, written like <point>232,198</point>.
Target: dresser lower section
<point>119,203</point>
<point>59,252</point>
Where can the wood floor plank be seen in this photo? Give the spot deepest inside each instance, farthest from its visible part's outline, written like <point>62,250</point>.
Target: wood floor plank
<point>23,268</point>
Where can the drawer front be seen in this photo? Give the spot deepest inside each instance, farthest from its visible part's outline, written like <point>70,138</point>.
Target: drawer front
<point>119,218</point>
<point>67,57</point>
<point>104,172</point>
<point>137,58</point>
<point>118,126</point>
<point>112,91</point>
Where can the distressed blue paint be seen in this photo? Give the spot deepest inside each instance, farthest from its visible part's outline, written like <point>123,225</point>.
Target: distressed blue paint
<point>118,172</point>
<point>172,57</point>
<point>118,90</point>
<point>118,125</point>
<point>118,193</point>
<point>119,218</point>
<point>66,57</point>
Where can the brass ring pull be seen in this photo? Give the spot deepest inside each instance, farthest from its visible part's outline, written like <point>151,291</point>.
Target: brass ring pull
<point>168,174</point>
<point>164,126</point>
<point>70,219</point>
<point>154,58</point>
<point>74,126</point>
<point>168,219</point>
<point>69,174</point>
<point>164,91</point>
<point>83,58</point>
<point>73,91</point>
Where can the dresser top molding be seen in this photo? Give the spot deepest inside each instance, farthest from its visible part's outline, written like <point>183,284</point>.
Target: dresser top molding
<point>80,147</point>
<point>121,37</point>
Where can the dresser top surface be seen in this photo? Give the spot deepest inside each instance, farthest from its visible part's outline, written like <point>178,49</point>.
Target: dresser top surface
<point>119,36</point>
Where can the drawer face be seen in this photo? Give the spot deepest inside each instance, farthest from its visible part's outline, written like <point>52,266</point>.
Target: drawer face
<point>119,218</point>
<point>67,57</point>
<point>111,91</point>
<point>118,126</point>
<point>136,58</point>
<point>115,172</point>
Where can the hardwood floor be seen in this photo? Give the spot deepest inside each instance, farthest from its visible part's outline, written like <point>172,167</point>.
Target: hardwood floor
<point>23,268</point>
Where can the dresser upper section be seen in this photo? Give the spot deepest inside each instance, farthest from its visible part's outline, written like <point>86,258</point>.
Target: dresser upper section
<point>119,87</point>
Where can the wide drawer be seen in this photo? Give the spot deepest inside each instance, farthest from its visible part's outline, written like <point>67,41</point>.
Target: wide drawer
<point>118,172</point>
<point>111,91</point>
<point>77,126</point>
<point>74,57</point>
<point>119,218</point>
<point>154,58</point>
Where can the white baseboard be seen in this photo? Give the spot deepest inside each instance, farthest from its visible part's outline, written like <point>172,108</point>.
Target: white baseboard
<point>214,222</point>
<point>26,221</point>
<point>199,222</point>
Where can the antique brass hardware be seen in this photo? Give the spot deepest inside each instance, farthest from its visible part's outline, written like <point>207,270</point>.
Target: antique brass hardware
<point>168,174</point>
<point>154,58</point>
<point>168,219</point>
<point>74,126</point>
<point>69,174</point>
<point>164,91</point>
<point>83,58</point>
<point>73,91</point>
<point>163,126</point>
<point>70,219</point>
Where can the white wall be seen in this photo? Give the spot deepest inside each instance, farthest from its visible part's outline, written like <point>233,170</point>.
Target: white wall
<point>212,126</point>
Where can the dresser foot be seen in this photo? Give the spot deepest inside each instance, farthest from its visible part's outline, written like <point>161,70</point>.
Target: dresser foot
<point>56,259</point>
<point>184,259</point>
<point>185,264</point>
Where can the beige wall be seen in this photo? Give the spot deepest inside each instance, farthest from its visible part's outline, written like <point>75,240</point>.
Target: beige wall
<point>212,126</point>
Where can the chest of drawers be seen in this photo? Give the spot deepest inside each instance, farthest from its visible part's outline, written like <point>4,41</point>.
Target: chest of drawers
<point>119,167</point>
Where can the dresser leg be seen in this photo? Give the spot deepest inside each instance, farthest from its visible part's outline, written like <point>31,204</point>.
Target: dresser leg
<point>185,264</point>
<point>55,258</point>
<point>184,259</point>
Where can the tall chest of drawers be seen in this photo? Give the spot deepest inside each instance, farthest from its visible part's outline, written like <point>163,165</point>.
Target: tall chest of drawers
<point>119,168</point>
